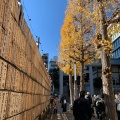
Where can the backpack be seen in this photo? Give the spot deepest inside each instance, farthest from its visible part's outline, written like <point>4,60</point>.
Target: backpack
<point>100,104</point>
<point>97,103</point>
<point>118,107</point>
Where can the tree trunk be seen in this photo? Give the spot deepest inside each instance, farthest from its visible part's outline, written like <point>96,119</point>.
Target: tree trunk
<point>82,82</point>
<point>82,56</point>
<point>71,90</point>
<point>106,67</point>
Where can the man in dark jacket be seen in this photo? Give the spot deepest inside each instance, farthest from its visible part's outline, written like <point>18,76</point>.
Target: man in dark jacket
<point>100,107</point>
<point>81,108</point>
<point>89,98</point>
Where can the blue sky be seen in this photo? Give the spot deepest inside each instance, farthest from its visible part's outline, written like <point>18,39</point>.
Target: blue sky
<point>47,17</point>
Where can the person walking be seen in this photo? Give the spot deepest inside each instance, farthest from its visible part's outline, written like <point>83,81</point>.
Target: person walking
<point>93,105</point>
<point>100,107</point>
<point>89,98</point>
<point>56,104</point>
<point>64,103</point>
<point>117,101</point>
<point>81,108</point>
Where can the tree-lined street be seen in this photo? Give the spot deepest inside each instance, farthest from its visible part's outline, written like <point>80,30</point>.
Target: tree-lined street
<point>30,89</point>
<point>85,37</point>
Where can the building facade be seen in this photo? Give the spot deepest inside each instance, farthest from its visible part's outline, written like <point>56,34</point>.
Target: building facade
<point>53,62</point>
<point>95,72</point>
<point>95,68</point>
<point>116,45</point>
<point>54,73</point>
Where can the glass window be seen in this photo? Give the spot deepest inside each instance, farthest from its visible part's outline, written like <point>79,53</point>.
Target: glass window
<point>117,42</point>
<point>113,37</point>
<point>119,52</point>
<point>114,45</point>
<point>115,54</point>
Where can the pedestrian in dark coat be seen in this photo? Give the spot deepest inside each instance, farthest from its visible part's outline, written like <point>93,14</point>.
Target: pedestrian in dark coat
<point>117,101</point>
<point>64,103</point>
<point>81,108</point>
<point>100,107</point>
<point>89,98</point>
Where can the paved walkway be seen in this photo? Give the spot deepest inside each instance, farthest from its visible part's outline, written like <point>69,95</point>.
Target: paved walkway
<point>68,115</point>
<point>65,116</point>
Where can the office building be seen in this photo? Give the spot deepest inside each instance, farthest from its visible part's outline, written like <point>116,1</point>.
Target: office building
<point>95,68</point>
<point>116,45</point>
<point>53,62</point>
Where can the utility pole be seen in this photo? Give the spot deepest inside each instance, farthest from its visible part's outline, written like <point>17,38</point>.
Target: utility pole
<point>38,42</point>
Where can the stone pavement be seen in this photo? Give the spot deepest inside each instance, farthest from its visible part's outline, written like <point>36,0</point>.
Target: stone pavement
<point>65,116</point>
<point>68,115</point>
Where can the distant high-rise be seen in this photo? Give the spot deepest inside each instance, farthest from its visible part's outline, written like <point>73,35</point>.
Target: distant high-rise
<point>45,59</point>
<point>53,62</point>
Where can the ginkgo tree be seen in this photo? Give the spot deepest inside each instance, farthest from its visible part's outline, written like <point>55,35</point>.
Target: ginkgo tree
<point>106,18</point>
<point>76,35</point>
<point>83,48</point>
<point>65,62</point>
<point>102,14</point>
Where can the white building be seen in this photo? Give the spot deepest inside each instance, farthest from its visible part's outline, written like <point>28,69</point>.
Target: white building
<point>53,62</point>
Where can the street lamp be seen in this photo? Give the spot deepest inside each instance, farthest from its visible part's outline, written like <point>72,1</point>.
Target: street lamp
<point>75,82</point>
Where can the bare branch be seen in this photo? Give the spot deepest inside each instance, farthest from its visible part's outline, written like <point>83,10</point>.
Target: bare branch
<point>115,18</point>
